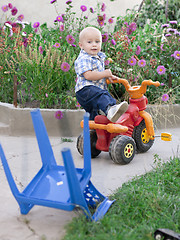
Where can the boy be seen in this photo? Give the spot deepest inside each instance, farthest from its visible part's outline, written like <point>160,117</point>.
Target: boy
<point>91,88</point>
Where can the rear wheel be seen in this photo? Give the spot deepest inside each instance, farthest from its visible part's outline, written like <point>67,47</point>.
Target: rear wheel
<point>141,137</point>
<point>93,139</point>
<point>122,149</point>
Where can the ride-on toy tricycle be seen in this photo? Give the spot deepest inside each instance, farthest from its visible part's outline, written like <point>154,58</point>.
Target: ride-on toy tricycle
<point>133,131</point>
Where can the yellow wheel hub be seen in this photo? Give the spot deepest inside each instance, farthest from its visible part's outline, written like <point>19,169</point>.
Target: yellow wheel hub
<point>128,150</point>
<point>144,136</point>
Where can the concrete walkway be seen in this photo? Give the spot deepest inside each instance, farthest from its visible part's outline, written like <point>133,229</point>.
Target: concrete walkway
<point>23,156</point>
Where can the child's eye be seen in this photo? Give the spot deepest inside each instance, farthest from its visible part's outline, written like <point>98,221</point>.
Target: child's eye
<point>89,41</point>
<point>97,41</point>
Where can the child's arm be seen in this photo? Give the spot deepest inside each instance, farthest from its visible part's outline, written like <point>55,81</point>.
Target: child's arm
<point>95,75</point>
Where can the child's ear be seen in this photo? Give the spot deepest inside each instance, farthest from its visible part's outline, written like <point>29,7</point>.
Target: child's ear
<point>80,45</point>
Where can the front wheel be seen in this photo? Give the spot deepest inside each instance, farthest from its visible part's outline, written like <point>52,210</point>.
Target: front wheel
<point>141,137</point>
<point>122,149</point>
<point>93,139</point>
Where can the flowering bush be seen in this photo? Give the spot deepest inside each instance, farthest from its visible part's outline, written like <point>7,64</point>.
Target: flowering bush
<point>42,58</point>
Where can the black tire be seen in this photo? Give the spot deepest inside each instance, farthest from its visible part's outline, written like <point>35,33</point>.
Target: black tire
<point>122,149</point>
<point>143,143</point>
<point>93,139</point>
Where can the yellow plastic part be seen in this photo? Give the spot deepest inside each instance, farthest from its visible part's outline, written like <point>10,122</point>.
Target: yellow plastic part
<point>149,123</point>
<point>166,136</point>
<point>110,127</point>
<point>135,91</point>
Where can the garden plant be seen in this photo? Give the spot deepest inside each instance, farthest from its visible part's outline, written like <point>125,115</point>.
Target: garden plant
<point>37,61</point>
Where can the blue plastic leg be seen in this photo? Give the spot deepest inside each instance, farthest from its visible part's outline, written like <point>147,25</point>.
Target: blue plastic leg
<point>76,193</point>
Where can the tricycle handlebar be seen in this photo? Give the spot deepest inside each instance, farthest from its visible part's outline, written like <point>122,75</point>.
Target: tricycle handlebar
<point>135,91</point>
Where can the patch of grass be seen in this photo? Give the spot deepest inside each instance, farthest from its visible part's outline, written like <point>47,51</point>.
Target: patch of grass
<point>142,205</point>
<point>66,140</point>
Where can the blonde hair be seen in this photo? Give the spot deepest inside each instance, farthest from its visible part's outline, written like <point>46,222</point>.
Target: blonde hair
<point>87,29</point>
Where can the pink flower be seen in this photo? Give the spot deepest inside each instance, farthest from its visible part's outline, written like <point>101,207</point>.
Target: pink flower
<point>61,28</point>
<point>113,42</point>
<point>132,61</point>
<point>162,45</point>
<point>40,49</point>
<point>36,25</point>
<point>106,63</point>
<point>20,17</point>
<point>142,63</point>
<point>138,51</point>
<point>104,37</point>
<point>65,67</point>
<point>165,97</point>
<point>4,8</point>
<point>103,7</point>
<point>110,20</point>
<point>78,105</point>
<point>10,6</point>
<point>70,39</point>
<point>83,8</point>
<point>14,11</point>
<point>161,70</point>
<point>59,19</point>
<point>46,95</point>
<point>58,114</point>
<point>68,2</point>
<point>56,45</point>
<point>176,55</point>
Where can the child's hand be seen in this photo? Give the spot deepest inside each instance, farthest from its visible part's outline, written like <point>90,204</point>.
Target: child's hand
<point>113,77</point>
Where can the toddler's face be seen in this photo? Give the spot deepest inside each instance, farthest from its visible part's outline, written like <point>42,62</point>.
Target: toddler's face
<point>91,42</point>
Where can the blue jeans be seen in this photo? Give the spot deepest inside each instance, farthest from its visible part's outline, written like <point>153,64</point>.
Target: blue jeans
<point>93,98</point>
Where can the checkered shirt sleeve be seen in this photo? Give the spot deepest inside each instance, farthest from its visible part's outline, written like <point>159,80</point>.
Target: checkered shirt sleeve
<point>85,63</point>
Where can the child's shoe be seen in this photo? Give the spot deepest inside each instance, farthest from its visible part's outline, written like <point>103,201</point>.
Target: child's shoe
<point>115,111</point>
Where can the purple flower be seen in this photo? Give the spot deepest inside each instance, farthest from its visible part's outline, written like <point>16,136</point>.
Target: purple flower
<point>46,95</point>
<point>133,26</point>
<point>61,28</point>
<point>91,10</point>
<point>69,2</point>
<point>171,30</point>
<point>132,61</point>
<point>103,7</point>
<point>53,1</point>
<point>110,20</point>
<point>101,23</point>
<point>59,19</point>
<point>58,114</point>
<point>65,67</point>
<point>113,42</point>
<point>104,37</point>
<point>20,17</point>
<point>161,70</point>
<point>10,6</point>
<point>173,22</point>
<point>138,51</point>
<point>162,84</point>
<point>14,11</point>
<point>70,39</point>
<point>83,8</point>
<point>162,45</point>
<point>142,63</point>
<point>40,49</point>
<point>4,8</point>
<point>36,25</point>
<point>165,25</point>
<point>167,35</point>
<point>56,45</point>
<point>176,55</point>
<point>165,97</point>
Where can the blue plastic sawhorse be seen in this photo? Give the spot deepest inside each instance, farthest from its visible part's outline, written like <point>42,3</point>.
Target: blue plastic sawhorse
<point>62,187</point>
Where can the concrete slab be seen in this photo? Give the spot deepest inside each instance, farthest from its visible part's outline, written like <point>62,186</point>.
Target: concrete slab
<point>23,156</point>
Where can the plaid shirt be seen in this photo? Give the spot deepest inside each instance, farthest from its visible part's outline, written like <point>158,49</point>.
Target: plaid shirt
<point>86,62</point>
